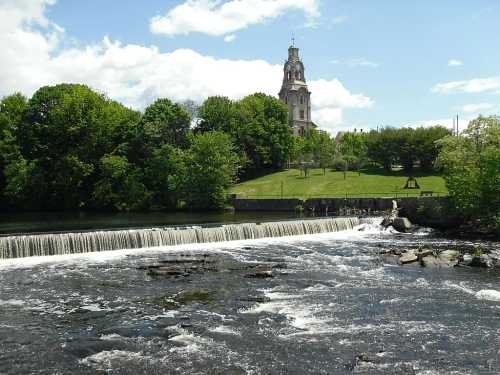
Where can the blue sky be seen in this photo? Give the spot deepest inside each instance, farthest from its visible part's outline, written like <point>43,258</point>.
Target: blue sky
<point>369,63</point>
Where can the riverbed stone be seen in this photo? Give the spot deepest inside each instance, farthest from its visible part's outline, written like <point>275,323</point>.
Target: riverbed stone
<point>431,261</point>
<point>402,224</point>
<point>408,257</point>
<point>483,261</point>
<point>258,299</point>
<point>260,275</point>
<point>422,253</point>
<point>449,255</point>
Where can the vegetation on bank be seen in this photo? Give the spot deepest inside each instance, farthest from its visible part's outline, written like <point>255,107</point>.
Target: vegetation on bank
<point>471,165</point>
<point>374,182</point>
<point>69,148</point>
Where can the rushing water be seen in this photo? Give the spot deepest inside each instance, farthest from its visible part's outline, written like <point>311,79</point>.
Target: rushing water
<point>334,307</point>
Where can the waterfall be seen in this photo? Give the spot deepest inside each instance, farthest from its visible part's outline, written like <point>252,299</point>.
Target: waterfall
<point>19,246</point>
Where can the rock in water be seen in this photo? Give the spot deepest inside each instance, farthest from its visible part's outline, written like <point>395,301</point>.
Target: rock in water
<point>387,222</point>
<point>449,255</point>
<point>402,224</point>
<point>482,261</point>
<point>434,262</point>
<point>408,257</point>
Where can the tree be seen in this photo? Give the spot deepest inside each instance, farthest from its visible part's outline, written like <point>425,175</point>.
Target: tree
<point>164,174</point>
<point>323,148</point>
<point>211,166</point>
<point>164,122</point>
<point>406,148</point>
<point>426,145</point>
<point>382,147</point>
<point>352,150</point>
<point>262,132</point>
<point>65,132</point>
<point>12,112</point>
<point>471,164</point>
<point>217,113</point>
<point>120,186</point>
<point>191,107</point>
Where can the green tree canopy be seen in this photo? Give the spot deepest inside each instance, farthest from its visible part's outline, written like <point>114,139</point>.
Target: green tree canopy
<point>217,113</point>
<point>212,165</point>
<point>263,132</point>
<point>164,122</point>
<point>65,132</point>
<point>12,112</point>
<point>471,164</point>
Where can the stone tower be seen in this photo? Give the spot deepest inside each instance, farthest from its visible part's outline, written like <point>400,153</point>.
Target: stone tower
<point>295,94</point>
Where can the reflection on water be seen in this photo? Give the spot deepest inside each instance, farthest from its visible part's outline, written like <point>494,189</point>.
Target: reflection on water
<point>332,306</point>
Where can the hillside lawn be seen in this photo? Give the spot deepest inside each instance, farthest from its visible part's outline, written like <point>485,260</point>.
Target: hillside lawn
<point>370,183</point>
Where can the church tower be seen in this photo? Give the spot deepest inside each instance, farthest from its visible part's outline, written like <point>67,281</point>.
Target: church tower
<point>295,94</point>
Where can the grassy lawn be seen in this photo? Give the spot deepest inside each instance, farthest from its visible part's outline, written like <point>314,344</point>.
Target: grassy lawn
<point>371,183</point>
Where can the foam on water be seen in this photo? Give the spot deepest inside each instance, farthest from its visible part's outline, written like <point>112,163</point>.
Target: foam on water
<point>225,330</point>
<point>108,359</point>
<point>461,286</point>
<point>489,295</point>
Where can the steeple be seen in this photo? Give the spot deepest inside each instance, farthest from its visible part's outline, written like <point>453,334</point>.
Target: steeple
<point>295,94</point>
<point>293,53</point>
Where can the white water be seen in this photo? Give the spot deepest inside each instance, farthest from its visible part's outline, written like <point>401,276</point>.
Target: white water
<point>69,243</point>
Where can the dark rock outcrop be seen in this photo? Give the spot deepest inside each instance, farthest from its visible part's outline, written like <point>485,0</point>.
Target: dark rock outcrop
<point>402,224</point>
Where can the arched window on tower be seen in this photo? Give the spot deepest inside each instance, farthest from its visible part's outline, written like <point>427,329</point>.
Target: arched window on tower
<point>297,75</point>
<point>289,76</point>
<point>301,99</point>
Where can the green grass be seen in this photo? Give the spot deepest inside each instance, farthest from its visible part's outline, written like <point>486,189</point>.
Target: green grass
<point>370,183</point>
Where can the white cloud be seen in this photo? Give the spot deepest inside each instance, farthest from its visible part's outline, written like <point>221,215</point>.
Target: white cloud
<point>357,62</point>
<point>455,62</point>
<point>137,75</point>
<point>230,38</point>
<point>475,108</point>
<point>332,93</point>
<point>217,18</point>
<point>329,98</point>
<point>476,85</point>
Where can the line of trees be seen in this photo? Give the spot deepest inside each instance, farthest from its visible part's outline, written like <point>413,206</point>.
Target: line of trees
<point>69,147</point>
<point>388,147</point>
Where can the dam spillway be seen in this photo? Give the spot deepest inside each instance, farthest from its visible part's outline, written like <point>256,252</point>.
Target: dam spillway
<point>19,246</point>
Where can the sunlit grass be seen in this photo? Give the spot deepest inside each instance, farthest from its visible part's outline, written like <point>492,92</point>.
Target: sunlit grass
<point>368,183</point>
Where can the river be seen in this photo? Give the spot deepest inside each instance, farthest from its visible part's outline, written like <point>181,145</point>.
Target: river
<point>334,306</point>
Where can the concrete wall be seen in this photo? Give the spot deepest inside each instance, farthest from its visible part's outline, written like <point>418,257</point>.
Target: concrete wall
<point>334,204</point>
<point>408,206</point>
<point>271,205</point>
